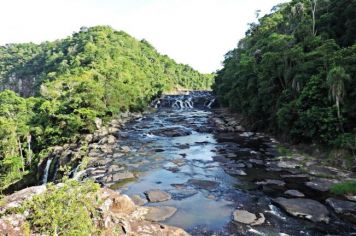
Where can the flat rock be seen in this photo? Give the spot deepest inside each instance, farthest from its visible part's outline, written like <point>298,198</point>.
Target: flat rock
<point>233,171</point>
<point>304,208</point>
<point>245,217</point>
<point>302,177</point>
<point>344,208</point>
<point>122,175</point>
<point>157,195</point>
<point>272,182</point>
<point>204,184</point>
<point>159,213</point>
<point>139,201</point>
<point>171,132</point>
<point>294,193</point>
<point>256,161</point>
<point>320,184</point>
<point>179,161</point>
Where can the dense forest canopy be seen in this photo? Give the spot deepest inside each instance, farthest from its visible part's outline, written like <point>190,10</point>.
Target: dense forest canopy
<point>294,72</point>
<point>95,73</point>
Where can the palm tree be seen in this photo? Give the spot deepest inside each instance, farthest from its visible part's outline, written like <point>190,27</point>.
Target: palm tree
<point>336,80</point>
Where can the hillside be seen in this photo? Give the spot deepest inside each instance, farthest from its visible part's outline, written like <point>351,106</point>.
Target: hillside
<point>294,73</point>
<point>96,73</point>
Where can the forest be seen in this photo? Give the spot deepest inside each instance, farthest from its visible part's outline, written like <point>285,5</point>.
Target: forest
<point>54,91</point>
<point>294,73</point>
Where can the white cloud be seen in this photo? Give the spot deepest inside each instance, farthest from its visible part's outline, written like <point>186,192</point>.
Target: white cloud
<point>195,32</point>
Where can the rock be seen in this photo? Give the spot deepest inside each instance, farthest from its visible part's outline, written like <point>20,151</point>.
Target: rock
<point>12,225</point>
<point>159,213</point>
<point>347,209</point>
<point>171,132</point>
<point>351,197</point>
<point>17,198</point>
<point>249,218</point>
<point>294,193</point>
<point>289,164</point>
<point>98,123</point>
<point>300,177</point>
<point>125,149</point>
<point>256,161</point>
<point>244,217</point>
<point>139,201</point>
<point>115,168</point>
<point>233,171</point>
<point>157,195</point>
<point>304,208</point>
<point>272,182</point>
<point>179,162</point>
<point>320,184</point>
<point>122,175</point>
<point>116,203</point>
<point>183,193</point>
<point>204,184</point>
<point>183,146</point>
<point>111,139</point>
<point>88,138</point>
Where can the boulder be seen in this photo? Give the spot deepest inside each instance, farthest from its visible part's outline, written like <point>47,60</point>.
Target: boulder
<point>157,195</point>
<point>347,209</point>
<point>159,213</point>
<point>171,132</point>
<point>294,193</point>
<point>272,182</point>
<point>249,218</point>
<point>321,184</point>
<point>304,208</point>
<point>139,201</point>
<point>203,184</point>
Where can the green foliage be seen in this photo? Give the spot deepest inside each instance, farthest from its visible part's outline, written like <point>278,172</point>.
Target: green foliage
<point>347,187</point>
<point>292,78</point>
<point>95,73</point>
<point>65,210</point>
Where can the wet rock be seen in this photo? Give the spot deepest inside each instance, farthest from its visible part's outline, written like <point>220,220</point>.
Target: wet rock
<point>98,123</point>
<point>294,193</point>
<point>347,209</point>
<point>179,162</point>
<point>159,213</point>
<point>171,132</point>
<point>244,217</point>
<point>125,149</point>
<point>299,177</point>
<point>289,164</point>
<point>256,161</point>
<point>157,195</point>
<point>122,175</point>
<point>249,218</point>
<point>320,184</point>
<point>203,184</point>
<point>272,182</point>
<point>183,193</point>
<point>115,168</point>
<point>178,186</point>
<point>183,146</point>
<point>233,171</point>
<point>304,208</point>
<point>139,201</point>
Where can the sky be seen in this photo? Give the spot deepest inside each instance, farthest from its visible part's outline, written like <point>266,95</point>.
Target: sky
<point>194,32</point>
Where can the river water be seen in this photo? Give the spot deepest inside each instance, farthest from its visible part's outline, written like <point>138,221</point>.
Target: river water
<point>196,153</point>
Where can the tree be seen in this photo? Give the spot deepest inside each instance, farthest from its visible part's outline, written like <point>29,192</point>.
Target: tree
<point>336,80</point>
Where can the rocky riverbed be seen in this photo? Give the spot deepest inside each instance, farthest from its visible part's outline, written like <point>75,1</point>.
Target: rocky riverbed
<point>198,169</point>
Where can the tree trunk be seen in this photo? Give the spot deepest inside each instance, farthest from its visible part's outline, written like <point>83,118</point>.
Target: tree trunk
<point>21,154</point>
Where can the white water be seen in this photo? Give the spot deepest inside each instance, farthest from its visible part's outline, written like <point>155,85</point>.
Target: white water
<point>45,176</point>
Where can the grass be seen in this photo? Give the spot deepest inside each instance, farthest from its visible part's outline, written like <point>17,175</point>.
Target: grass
<point>347,187</point>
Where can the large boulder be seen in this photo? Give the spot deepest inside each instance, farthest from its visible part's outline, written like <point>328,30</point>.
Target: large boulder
<point>304,208</point>
<point>249,218</point>
<point>321,184</point>
<point>346,209</point>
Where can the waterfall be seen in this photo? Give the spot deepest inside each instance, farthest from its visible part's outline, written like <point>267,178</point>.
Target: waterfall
<point>187,100</point>
<point>46,171</point>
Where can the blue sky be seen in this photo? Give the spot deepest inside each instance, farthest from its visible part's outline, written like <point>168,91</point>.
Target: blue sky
<point>194,32</point>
